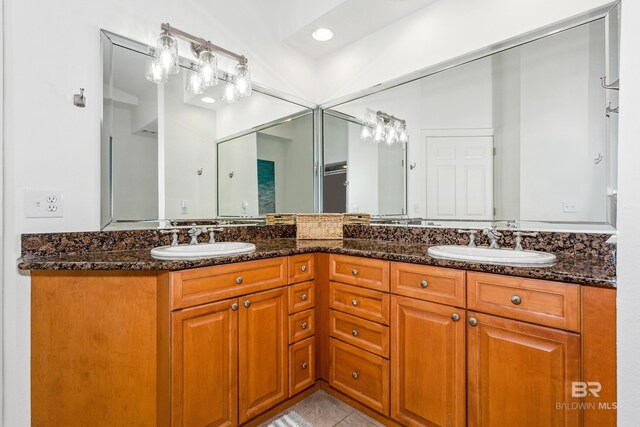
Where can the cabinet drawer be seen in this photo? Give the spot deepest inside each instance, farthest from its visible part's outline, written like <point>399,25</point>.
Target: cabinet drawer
<point>436,284</point>
<point>364,334</point>
<point>301,268</point>
<point>360,374</point>
<point>201,285</point>
<point>301,366</point>
<point>301,297</point>
<point>301,325</point>
<point>537,301</point>
<point>365,272</point>
<point>371,305</point>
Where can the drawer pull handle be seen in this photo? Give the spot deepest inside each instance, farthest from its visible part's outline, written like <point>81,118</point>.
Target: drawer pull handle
<point>247,303</point>
<point>304,365</point>
<point>303,268</point>
<point>304,325</point>
<point>354,332</point>
<point>355,271</point>
<point>303,297</point>
<point>516,299</point>
<point>234,306</point>
<point>355,375</point>
<point>473,321</point>
<point>354,302</point>
<point>455,317</point>
<point>424,284</point>
<point>239,280</point>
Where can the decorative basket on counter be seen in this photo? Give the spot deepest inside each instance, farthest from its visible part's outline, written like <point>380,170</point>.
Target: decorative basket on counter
<point>281,219</point>
<point>357,218</point>
<point>319,226</point>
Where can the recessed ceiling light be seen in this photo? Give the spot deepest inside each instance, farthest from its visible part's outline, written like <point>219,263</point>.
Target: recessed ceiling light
<point>208,100</point>
<point>322,34</point>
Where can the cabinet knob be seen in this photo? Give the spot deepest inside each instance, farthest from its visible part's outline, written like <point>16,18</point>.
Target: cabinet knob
<point>234,306</point>
<point>354,302</point>
<point>303,268</point>
<point>516,299</point>
<point>247,303</point>
<point>303,297</point>
<point>424,284</point>
<point>355,271</point>
<point>355,375</point>
<point>354,332</point>
<point>473,321</point>
<point>455,317</point>
<point>239,280</point>
<point>304,325</point>
<point>304,365</point>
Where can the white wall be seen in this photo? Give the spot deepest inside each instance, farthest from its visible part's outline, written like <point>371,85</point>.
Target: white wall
<point>362,172</point>
<point>628,298</point>
<point>135,170</point>
<point>189,145</point>
<point>238,157</point>
<point>272,148</point>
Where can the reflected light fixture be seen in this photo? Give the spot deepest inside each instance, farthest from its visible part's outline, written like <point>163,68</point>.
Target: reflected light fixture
<point>207,100</point>
<point>385,128</point>
<point>322,34</point>
<point>164,61</point>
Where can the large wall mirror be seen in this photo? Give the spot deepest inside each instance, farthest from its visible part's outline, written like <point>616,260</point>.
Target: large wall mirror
<point>170,155</point>
<point>525,134</point>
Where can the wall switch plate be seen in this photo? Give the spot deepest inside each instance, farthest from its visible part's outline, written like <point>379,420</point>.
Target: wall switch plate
<point>44,204</point>
<point>569,207</point>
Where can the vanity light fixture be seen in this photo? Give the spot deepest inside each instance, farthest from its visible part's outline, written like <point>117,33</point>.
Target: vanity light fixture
<point>203,74</point>
<point>322,34</point>
<point>385,128</point>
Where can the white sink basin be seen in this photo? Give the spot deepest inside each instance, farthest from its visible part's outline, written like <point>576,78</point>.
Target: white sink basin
<point>492,256</point>
<point>208,250</point>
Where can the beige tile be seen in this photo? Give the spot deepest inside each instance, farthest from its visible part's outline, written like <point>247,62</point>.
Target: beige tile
<point>368,418</point>
<point>322,410</point>
<point>357,420</point>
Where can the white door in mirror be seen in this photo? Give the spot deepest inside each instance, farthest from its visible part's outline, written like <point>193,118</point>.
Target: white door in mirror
<point>492,256</point>
<point>208,250</point>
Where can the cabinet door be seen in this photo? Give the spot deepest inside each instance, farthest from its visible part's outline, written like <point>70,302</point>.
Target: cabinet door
<point>263,352</point>
<point>428,363</point>
<point>521,374</point>
<point>204,365</point>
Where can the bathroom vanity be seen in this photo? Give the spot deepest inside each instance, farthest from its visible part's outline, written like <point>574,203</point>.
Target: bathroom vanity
<point>408,339</point>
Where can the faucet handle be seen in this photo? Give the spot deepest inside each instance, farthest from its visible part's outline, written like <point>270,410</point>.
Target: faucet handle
<point>519,235</point>
<point>212,231</point>
<point>174,235</point>
<point>472,236</point>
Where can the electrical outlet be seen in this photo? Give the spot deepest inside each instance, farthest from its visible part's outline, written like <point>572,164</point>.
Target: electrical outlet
<point>569,207</point>
<point>44,204</point>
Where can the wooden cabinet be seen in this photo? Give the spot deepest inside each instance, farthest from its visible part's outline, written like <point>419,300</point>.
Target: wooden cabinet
<point>520,374</point>
<point>301,325</point>
<point>365,334</point>
<point>427,363</point>
<point>301,297</point>
<point>371,305</point>
<point>263,352</point>
<point>365,272</point>
<point>301,366</point>
<point>301,268</point>
<point>205,365</point>
<point>436,284</point>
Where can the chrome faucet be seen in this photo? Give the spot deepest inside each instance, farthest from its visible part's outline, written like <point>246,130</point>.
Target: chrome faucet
<point>212,233</point>
<point>494,235</point>
<point>472,236</point>
<point>519,235</point>
<point>194,232</point>
<point>174,235</point>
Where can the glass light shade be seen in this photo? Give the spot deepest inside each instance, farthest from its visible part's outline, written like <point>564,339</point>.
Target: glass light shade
<point>154,72</point>
<point>229,94</point>
<point>167,53</point>
<point>208,68</point>
<point>194,83</point>
<point>243,80</point>
<point>403,136</point>
<point>379,131</point>
<point>391,136</point>
<point>366,132</point>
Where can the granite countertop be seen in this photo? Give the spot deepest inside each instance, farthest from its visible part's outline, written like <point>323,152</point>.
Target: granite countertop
<point>586,271</point>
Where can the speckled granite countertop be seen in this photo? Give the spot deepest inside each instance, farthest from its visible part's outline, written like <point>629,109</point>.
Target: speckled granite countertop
<point>587,271</point>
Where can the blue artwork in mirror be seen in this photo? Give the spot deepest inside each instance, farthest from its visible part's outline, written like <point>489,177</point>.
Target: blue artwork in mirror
<point>266,187</point>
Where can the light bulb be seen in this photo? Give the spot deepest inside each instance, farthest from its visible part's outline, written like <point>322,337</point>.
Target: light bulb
<point>154,72</point>
<point>379,131</point>
<point>403,137</point>
<point>243,79</point>
<point>229,95</point>
<point>167,53</point>
<point>195,84</point>
<point>391,133</point>
<point>208,68</point>
<point>366,132</point>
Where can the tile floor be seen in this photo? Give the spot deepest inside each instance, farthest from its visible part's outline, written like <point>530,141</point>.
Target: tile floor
<point>323,410</point>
